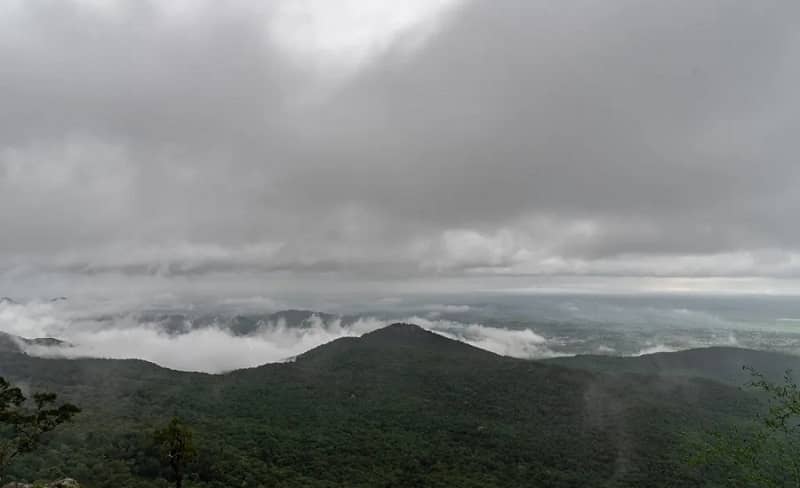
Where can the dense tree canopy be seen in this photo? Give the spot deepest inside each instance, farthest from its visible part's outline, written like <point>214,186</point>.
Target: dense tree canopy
<point>176,448</point>
<point>22,426</point>
<point>399,407</point>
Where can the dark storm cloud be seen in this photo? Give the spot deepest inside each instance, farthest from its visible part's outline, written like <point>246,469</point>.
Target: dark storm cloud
<point>515,137</point>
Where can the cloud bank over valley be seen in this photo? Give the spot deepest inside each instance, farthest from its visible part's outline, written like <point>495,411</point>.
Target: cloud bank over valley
<point>218,340</point>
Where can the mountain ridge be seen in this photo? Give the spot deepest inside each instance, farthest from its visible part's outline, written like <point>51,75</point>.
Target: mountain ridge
<point>402,335</point>
<point>400,406</point>
<point>14,343</point>
<point>721,363</point>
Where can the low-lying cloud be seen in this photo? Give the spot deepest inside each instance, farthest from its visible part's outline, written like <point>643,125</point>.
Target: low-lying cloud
<point>237,333</point>
<point>210,345</point>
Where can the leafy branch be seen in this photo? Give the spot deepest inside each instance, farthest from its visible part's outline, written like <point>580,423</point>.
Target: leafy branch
<point>21,426</point>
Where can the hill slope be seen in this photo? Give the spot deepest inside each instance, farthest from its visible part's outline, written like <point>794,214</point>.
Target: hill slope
<point>724,364</point>
<point>396,407</point>
<point>15,344</point>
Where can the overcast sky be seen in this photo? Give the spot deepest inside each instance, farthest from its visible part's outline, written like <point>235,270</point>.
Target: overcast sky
<point>377,145</point>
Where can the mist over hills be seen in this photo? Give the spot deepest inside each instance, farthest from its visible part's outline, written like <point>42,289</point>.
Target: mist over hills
<point>216,340</point>
<point>223,335</point>
<point>397,406</point>
<point>15,344</point>
<point>241,324</point>
<point>382,243</point>
<point>723,364</point>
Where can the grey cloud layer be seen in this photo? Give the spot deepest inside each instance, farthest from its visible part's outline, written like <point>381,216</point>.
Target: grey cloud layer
<point>521,137</point>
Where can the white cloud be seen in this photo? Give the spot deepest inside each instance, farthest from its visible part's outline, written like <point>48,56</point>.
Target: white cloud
<point>209,349</point>
<point>213,348</point>
<point>345,34</point>
<point>519,343</point>
<point>655,349</point>
<point>455,141</point>
<point>444,308</point>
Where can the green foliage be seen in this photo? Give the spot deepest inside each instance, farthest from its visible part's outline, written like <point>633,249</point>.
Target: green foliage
<point>396,408</point>
<point>763,451</point>
<point>22,427</point>
<point>176,448</point>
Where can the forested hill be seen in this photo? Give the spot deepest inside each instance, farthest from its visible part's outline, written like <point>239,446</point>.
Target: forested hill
<point>397,407</point>
<point>724,364</point>
<point>12,343</point>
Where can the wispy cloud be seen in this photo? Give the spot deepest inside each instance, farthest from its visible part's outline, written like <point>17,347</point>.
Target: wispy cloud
<point>206,343</point>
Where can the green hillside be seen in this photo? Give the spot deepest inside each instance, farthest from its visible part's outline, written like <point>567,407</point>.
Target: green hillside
<point>724,364</point>
<point>398,407</point>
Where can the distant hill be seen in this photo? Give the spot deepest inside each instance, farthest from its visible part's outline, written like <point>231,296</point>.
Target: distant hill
<point>11,301</point>
<point>239,324</point>
<point>10,343</point>
<point>391,344</point>
<point>397,407</point>
<point>724,364</point>
<point>249,324</point>
<point>299,317</point>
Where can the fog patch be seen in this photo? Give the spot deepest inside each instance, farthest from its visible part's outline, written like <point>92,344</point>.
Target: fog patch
<point>605,350</point>
<point>519,343</point>
<point>443,308</point>
<point>213,345</point>
<point>655,349</point>
<point>211,349</point>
